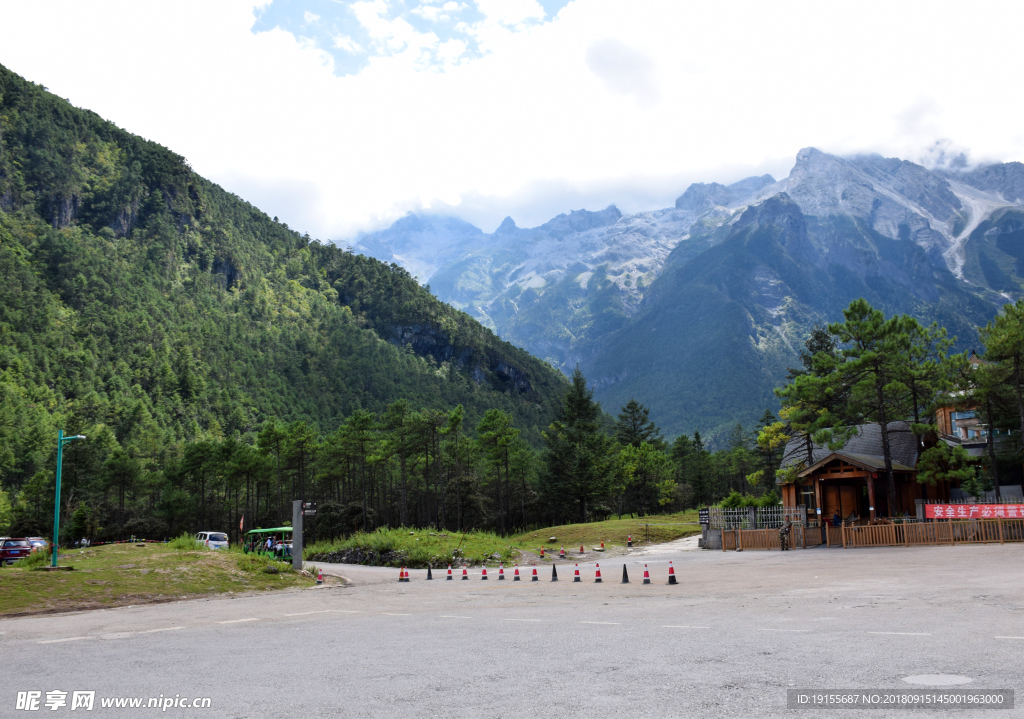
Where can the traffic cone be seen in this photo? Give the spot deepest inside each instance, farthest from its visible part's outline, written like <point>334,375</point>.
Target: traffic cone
<point>671,574</point>
<point>561,553</point>
<point>647,575</point>
<point>401,574</point>
<point>597,577</point>
<point>629,540</point>
<point>407,575</point>
<point>576,576</point>
<point>449,572</point>
<point>602,544</point>
<point>542,552</point>
<point>554,573</point>
<point>320,576</point>
<point>581,549</point>
<point>429,575</point>
<point>465,572</point>
<point>501,572</point>
<point>625,575</point>
<point>534,578</point>
<point>515,577</point>
<point>483,576</point>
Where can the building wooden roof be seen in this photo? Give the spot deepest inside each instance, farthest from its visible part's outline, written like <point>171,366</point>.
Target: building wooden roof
<point>863,450</point>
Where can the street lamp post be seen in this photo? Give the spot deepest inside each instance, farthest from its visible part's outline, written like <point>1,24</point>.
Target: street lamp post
<point>61,441</point>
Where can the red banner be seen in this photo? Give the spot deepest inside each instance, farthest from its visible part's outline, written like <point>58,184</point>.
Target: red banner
<point>974,511</point>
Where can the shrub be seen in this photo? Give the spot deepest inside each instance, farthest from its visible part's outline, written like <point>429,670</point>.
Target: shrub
<point>186,542</point>
<point>39,558</point>
<point>256,563</point>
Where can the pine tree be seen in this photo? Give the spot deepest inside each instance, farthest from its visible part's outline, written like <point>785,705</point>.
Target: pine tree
<point>634,426</point>
<point>577,462</point>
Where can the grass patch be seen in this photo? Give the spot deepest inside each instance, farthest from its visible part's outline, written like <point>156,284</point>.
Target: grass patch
<point>420,547</point>
<point>613,532</point>
<point>35,560</point>
<point>119,574</point>
<point>186,542</point>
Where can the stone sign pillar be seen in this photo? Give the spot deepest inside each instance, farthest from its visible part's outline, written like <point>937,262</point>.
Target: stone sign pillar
<point>297,534</point>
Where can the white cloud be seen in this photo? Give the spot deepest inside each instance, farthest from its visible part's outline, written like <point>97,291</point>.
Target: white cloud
<point>310,17</point>
<point>624,70</point>
<point>543,122</point>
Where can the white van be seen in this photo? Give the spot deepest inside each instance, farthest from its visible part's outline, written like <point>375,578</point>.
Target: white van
<point>213,540</point>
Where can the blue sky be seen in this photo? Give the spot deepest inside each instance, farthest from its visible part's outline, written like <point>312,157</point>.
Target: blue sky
<point>340,117</point>
<point>445,32</point>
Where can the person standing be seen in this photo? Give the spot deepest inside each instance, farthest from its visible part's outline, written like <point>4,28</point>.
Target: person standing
<point>784,534</point>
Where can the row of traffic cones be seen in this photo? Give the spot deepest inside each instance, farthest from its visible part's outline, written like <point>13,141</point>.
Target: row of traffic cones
<point>403,575</point>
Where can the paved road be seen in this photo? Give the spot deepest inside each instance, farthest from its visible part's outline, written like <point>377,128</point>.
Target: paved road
<point>738,630</point>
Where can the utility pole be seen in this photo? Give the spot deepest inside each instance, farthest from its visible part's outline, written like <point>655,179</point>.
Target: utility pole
<point>61,441</point>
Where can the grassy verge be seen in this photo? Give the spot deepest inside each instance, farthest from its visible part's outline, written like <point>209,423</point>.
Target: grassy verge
<point>420,548</point>
<point>120,574</point>
<point>613,532</point>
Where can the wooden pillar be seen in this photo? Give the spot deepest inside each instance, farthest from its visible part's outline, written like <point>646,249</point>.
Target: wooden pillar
<point>817,499</point>
<point>871,496</point>
<point>1000,520</point>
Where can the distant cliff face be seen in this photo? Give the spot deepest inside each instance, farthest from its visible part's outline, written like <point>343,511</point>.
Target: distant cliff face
<point>720,290</point>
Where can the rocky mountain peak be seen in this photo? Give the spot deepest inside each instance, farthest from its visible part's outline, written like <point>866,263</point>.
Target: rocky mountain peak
<point>700,197</point>
<point>507,226</point>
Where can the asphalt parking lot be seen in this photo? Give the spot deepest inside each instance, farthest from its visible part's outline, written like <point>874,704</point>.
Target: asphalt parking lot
<point>729,640</point>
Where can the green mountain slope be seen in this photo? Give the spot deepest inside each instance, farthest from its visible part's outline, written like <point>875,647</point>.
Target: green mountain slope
<point>142,302</point>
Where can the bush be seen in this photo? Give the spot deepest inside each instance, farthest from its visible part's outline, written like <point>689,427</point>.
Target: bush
<point>256,563</point>
<point>186,542</point>
<point>39,558</point>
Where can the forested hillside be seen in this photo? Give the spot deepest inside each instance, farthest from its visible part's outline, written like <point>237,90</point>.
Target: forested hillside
<point>151,310</point>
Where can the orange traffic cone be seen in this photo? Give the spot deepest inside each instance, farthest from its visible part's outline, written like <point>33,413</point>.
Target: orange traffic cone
<point>484,575</point>
<point>647,575</point>
<point>401,575</point>
<point>542,552</point>
<point>602,544</point>
<point>581,549</point>
<point>449,572</point>
<point>535,578</point>
<point>501,572</point>
<point>465,572</point>
<point>515,577</point>
<point>561,553</point>
<point>320,576</point>
<point>597,579</point>
<point>576,577</point>
<point>671,574</point>
<point>629,540</point>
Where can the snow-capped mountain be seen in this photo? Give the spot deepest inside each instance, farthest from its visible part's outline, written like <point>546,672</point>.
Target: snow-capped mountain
<point>915,240</point>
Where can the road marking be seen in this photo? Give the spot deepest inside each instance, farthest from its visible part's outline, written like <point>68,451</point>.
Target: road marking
<point>344,611</point>
<point>236,621</point>
<point>523,620</point>
<point>302,614</point>
<point>905,634</point>
<point>1008,637</point>
<point>68,639</point>
<point>681,626</point>
<point>760,629</point>
<point>600,622</point>
<point>388,614</point>
<point>452,616</point>
<point>162,629</point>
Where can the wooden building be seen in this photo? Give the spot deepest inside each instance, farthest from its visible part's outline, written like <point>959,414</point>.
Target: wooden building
<point>852,480</point>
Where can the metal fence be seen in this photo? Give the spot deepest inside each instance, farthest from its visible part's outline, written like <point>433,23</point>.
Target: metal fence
<point>754,517</point>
